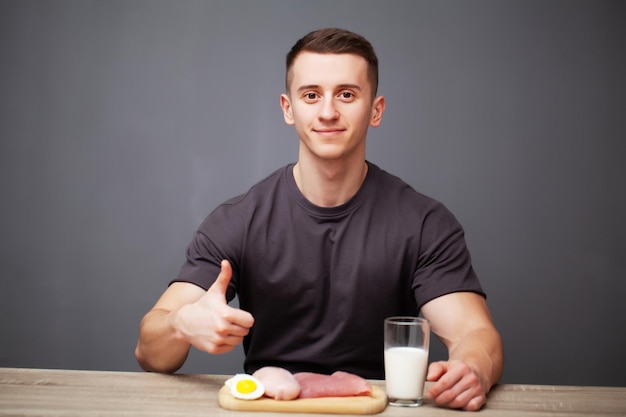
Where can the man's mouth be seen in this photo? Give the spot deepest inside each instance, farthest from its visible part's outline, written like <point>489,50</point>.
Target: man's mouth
<point>328,131</point>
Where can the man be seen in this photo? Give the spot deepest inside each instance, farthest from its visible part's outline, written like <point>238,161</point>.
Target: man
<point>321,251</point>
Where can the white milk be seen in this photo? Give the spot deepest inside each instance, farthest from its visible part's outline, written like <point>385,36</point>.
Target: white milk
<point>405,372</point>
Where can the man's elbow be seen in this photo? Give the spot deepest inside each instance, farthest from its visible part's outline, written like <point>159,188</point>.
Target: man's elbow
<point>150,365</point>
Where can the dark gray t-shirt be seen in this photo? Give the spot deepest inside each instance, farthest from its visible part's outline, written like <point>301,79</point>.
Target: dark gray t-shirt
<point>320,281</point>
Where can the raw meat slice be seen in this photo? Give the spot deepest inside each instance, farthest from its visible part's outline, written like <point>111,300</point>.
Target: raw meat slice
<point>280,384</point>
<point>339,384</point>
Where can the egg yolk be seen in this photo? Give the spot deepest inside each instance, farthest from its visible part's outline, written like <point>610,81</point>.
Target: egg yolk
<point>245,386</point>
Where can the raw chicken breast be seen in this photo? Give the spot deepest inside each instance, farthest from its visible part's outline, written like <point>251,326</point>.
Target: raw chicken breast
<point>339,384</point>
<point>280,384</point>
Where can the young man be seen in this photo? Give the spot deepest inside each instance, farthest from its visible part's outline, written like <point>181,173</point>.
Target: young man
<point>321,251</point>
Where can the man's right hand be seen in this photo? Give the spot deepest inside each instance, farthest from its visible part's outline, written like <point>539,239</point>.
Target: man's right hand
<point>185,316</point>
<point>210,324</point>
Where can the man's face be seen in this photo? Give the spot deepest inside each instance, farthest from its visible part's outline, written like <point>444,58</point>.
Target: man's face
<point>331,104</point>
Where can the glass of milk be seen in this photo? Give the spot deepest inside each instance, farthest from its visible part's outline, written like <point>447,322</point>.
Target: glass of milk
<point>406,359</point>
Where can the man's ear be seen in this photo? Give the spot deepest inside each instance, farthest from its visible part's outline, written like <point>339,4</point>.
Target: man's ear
<point>285,104</point>
<point>378,108</point>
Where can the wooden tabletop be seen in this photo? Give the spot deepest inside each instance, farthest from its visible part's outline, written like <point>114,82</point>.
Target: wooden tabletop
<point>41,392</point>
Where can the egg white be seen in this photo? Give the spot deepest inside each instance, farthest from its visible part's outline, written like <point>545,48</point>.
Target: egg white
<point>232,384</point>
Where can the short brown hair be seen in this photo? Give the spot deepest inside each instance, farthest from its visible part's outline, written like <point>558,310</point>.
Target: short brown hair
<point>336,41</point>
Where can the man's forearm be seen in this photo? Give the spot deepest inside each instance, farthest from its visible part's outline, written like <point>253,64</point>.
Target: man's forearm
<point>159,348</point>
<point>482,351</point>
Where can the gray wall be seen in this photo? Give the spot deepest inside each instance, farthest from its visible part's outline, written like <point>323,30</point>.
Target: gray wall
<point>123,123</point>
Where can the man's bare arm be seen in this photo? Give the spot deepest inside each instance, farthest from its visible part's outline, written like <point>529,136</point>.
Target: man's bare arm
<point>186,316</point>
<point>463,323</point>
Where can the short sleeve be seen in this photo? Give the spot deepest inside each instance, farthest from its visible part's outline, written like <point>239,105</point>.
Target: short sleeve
<point>444,263</point>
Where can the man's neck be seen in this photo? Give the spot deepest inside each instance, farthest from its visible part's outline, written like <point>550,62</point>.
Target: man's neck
<point>329,183</point>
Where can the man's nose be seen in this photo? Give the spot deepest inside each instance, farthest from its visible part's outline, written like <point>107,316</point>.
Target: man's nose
<point>328,111</point>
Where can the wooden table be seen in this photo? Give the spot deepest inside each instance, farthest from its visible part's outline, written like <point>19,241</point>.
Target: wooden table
<point>40,392</point>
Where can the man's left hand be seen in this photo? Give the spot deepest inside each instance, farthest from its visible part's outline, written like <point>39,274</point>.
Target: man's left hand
<point>457,386</point>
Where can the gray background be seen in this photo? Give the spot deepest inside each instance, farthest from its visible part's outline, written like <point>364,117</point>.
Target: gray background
<point>123,123</point>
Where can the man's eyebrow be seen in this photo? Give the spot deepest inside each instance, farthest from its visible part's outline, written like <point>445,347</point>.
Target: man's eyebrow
<point>339,87</point>
<point>350,86</point>
<point>307,87</point>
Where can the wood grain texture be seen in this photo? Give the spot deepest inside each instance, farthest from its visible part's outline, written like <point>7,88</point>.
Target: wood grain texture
<point>330,405</point>
<point>41,392</point>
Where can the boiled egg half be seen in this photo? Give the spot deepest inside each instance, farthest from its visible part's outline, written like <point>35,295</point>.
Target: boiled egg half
<point>245,387</point>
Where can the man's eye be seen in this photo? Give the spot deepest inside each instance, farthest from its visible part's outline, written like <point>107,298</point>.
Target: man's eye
<point>347,94</point>
<point>310,96</point>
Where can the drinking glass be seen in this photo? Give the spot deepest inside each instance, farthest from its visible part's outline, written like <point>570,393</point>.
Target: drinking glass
<point>406,359</point>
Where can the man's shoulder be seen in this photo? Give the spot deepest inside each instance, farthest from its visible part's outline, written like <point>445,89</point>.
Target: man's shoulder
<point>260,191</point>
<point>258,198</point>
<point>391,183</point>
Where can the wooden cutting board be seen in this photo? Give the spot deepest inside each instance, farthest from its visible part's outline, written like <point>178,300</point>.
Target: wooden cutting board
<point>328,405</point>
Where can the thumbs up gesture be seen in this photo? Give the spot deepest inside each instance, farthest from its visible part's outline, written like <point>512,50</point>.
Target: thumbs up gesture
<point>210,324</point>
